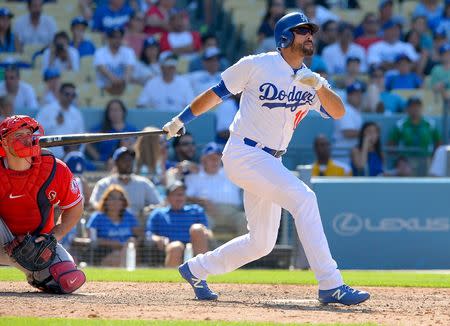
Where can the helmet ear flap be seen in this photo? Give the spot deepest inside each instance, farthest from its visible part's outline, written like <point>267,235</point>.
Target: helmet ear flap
<point>286,39</point>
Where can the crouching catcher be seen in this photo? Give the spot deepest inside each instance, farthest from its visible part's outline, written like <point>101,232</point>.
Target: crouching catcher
<point>32,182</point>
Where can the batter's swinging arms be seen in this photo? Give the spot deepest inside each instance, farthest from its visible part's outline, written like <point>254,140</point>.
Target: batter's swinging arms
<point>277,90</point>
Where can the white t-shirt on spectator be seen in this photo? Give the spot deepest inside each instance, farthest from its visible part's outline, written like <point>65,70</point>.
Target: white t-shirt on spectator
<point>25,98</point>
<point>336,60</point>
<point>116,63</point>
<point>216,188</point>
<point>168,97</point>
<point>73,123</point>
<point>385,52</point>
<point>60,65</point>
<point>28,34</point>
<point>352,120</point>
<point>438,166</point>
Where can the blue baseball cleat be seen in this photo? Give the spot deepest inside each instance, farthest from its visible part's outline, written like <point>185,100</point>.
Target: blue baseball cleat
<point>201,289</point>
<point>344,295</point>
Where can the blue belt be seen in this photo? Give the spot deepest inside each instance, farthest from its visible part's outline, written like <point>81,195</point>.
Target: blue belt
<point>273,152</point>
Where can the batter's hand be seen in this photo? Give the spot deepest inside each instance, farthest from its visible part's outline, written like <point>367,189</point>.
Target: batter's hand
<point>174,128</point>
<point>312,79</point>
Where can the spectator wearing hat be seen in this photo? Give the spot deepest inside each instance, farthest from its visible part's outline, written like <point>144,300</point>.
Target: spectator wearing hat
<point>134,32</point>
<point>209,40</point>
<point>78,28</point>
<point>114,13</point>
<point>415,132</point>
<point>385,51</point>
<point>157,17</point>
<point>148,65</point>
<point>8,41</point>
<point>405,78</point>
<point>209,76</point>
<point>440,74</point>
<point>386,12</point>
<point>168,92</point>
<point>52,80</point>
<point>172,227</point>
<point>114,63</point>
<point>211,189</point>
<point>346,130</point>
<point>22,92</point>
<point>60,55</point>
<point>370,28</point>
<point>324,165</point>
<point>180,39</point>
<point>35,28</point>
<point>141,191</point>
<point>336,54</point>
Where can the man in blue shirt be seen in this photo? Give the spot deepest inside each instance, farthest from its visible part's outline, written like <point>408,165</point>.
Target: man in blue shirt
<point>406,78</point>
<point>115,14</point>
<point>170,228</point>
<point>78,27</point>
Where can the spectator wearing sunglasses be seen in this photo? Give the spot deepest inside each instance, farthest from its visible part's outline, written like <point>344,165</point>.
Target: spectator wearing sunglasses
<point>62,117</point>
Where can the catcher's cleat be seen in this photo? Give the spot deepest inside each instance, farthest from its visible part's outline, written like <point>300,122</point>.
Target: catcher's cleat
<point>343,294</point>
<point>201,289</point>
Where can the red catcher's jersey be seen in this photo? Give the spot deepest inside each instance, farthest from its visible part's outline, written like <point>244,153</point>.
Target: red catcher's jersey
<point>19,199</point>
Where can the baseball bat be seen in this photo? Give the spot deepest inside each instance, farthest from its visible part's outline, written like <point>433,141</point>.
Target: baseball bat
<point>75,139</point>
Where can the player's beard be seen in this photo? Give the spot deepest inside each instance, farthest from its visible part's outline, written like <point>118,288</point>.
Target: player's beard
<point>305,49</point>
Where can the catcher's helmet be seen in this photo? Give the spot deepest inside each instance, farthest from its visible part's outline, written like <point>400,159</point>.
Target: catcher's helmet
<point>21,148</point>
<point>283,34</point>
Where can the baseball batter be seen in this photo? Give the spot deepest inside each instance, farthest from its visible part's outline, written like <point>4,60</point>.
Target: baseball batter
<point>278,91</point>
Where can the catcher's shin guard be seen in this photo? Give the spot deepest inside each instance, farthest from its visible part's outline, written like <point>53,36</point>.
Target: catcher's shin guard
<point>67,277</point>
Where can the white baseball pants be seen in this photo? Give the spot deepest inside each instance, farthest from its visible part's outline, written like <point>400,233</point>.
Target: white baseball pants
<point>269,186</point>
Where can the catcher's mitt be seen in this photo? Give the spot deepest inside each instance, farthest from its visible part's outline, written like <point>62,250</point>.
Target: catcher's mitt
<point>33,256</point>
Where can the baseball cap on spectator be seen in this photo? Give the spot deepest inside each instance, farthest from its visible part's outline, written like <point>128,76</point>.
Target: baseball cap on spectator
<point>168,58</point>
<point>51,73</point>
<point>174,186</point>
<point>5,12</point>
<point>413,100</point>
<point>75,163</point>
<point>211,148</point>
<point>80,20</point>
<point>110,32</point>
<point>355,87</point>
<point>389,24</point>
<point>445,48</point>
<point>351,59</point>
<point>402,56</point>
<point>150,41</point>
<point>118,153</point>
<point>211,52</point>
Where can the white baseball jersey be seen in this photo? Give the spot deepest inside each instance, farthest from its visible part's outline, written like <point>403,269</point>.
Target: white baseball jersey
<point>272,103</point>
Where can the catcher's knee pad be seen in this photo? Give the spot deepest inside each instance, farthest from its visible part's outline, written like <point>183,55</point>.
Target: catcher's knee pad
<point>67,277</point>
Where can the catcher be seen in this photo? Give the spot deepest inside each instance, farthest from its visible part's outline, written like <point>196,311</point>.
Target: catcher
<point>31,183</point>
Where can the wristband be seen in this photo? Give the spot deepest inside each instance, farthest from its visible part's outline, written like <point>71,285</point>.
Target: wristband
<point>186,115</point>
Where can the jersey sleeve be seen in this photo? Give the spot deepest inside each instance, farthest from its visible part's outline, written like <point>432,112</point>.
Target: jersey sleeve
<point>68,193</point>
<point>237,76</point>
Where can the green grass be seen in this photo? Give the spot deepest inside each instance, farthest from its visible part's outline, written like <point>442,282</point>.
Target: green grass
<point>7,321</point>
<point>364,278</point>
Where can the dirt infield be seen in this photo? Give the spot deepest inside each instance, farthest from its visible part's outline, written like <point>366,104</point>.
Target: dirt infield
<point>276,303</point>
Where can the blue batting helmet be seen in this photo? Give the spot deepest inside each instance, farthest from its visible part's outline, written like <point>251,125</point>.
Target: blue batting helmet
<point>283,34</point>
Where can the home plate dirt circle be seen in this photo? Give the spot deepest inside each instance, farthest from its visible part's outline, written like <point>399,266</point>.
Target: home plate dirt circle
<point>237,302</point>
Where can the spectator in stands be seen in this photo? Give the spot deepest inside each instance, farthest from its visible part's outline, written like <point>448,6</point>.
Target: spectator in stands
<point>209,77</point>
<point>384,52</point>
<point>442,24</point>
<point>8,40</point>
<point>22,92</point>
<point>370,30</point>
<point>439,164</point>
<point>35,28</point>
<point>168,92</point>
<point>440,75</point>
<point>134,33</point>
<point>413,38</point>
<point>148,65</point>
<point>211,189</point>
<point>52,80</point>
<point>114,120</point>
<point>316,13</point>
<point>328,34</point>
<point>419,25</point>
<point>62,117</point>
<point>439,40</point>
<point>378,98</point>
<point>110,15</point>
<point>157,17</point>
<point>112,226</point>
<point>367,157</point>
<point>141,192</point>
<point>415,131</point>
<point>184,148</point>
<point>180,39</point>
<point>60,55</point>
<point>177,224</point>
<point>275,10</point>
<point>430,9</point>
<point>209,40</point>
<point>346,130</point>
<point>402,168</point>
<point>386,12</point>
<point>6,107</point>
<point>114,63</point>
<point>336,54</point>
<point>405,78</point>
<point>77,164</point>
<point>325,166</point>
<point>78,28</point>
<point>352,74</point>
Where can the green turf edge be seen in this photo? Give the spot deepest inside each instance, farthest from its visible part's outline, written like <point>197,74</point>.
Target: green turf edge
<point>17,321</point>
<point>356,278</point>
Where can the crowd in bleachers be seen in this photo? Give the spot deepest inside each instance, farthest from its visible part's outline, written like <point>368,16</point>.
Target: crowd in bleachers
<point>58,58</point>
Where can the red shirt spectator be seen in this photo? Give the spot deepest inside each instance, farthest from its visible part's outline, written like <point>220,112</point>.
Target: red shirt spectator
<point>157,21</point>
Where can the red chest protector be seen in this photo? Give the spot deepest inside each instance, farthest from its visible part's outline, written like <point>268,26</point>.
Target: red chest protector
<point>24,205</point>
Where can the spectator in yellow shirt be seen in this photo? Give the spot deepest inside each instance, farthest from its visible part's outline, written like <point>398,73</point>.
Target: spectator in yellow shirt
<point>324,166</point>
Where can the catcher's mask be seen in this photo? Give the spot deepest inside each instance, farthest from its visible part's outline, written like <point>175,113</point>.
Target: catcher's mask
<point>26,145</point>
